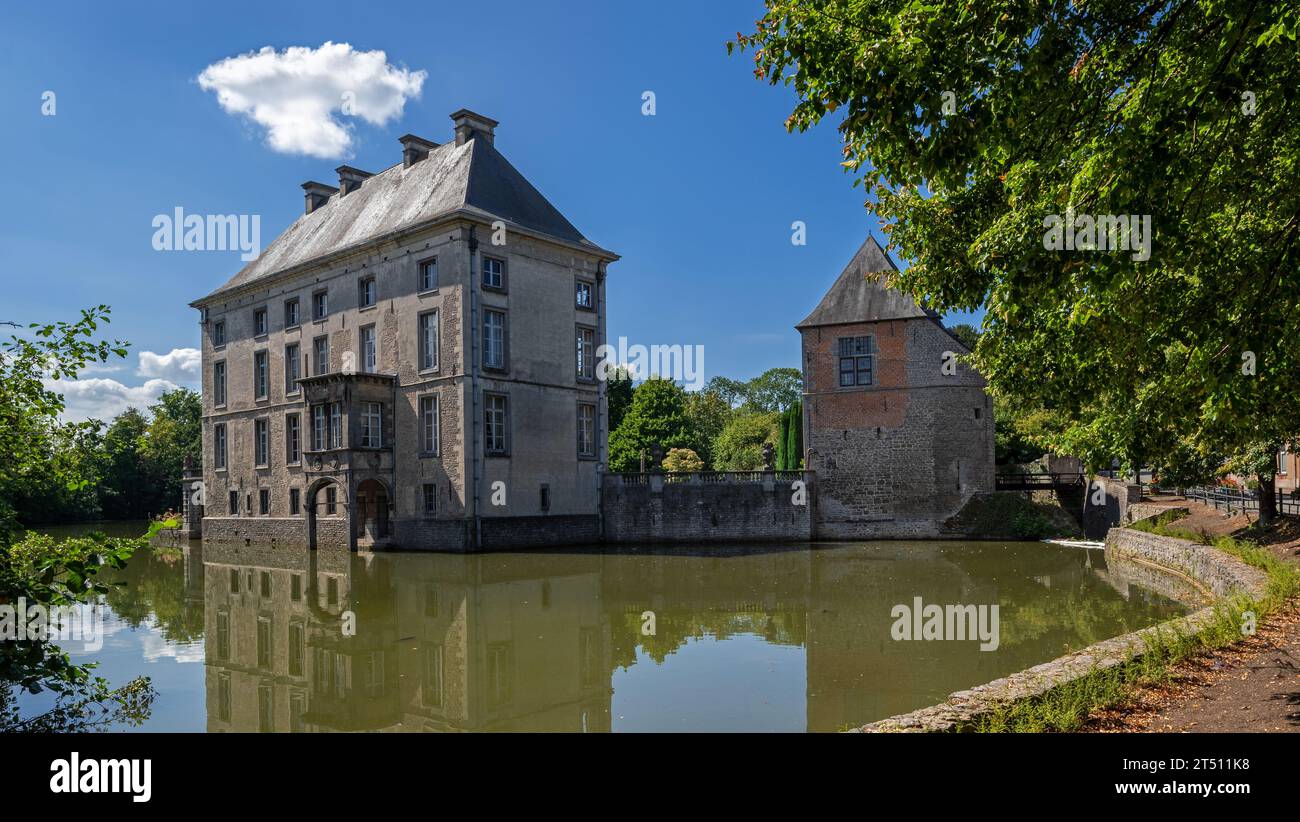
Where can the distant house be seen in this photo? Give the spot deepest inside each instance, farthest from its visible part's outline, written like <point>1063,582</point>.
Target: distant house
<point>899,435</point>
<point>411,363</point>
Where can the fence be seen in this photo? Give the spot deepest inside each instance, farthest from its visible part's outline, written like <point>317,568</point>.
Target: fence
<point>1239,501</point>
<point>709,477</point>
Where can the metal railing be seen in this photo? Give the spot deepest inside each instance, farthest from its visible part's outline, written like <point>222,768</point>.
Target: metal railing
<point>1240,500</point>
<point>708,477</point>
<point>1016,481</point>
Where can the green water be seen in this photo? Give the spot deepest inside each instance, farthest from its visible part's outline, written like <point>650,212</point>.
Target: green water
<point>790,639</point>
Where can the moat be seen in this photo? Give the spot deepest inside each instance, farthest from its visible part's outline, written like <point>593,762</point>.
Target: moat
<point>259,638</point>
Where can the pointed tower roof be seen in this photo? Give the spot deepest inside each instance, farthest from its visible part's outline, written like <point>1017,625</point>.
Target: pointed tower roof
<point>854,298</point>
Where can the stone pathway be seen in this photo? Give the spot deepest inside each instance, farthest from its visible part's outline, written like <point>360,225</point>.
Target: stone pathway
<point>1253,686</point>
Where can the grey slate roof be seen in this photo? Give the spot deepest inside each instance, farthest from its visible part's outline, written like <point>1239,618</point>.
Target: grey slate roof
<point>854,298</point>
<point>473,177</point>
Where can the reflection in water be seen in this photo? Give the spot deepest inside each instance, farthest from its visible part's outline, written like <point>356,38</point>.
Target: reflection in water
<point>766,639</point>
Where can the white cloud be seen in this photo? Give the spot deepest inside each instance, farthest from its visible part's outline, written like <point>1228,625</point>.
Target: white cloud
<point>102,399</point>
<point>180,365</point>
<point>294,94</point>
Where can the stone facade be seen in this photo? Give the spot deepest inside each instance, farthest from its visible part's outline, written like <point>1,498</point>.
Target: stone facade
<point>904,437</point>
<point>451,234</point>
<point>654,511</point>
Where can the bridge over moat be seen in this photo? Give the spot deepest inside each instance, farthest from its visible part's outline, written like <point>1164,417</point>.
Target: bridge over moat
<point>1015,481</point>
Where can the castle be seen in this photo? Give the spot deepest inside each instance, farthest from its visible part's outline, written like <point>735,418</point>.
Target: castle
<point>412,363</point>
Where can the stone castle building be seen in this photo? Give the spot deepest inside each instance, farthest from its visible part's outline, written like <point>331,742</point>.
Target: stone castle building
<point>899,436</point>
<point>411,363</point>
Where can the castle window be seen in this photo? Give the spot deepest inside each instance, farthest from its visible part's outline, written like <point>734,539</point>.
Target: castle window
<point>494,339</point>
<point>586,429</point>
<point>218,334</point>
<point>368,292</point>
<point>857,361</point>
<point>259,322</point>
<point>321,346</point>
<point>429,274</point>
<point>495,421</point>
<point>320,305</point>
<point>429,423</point>
<point>430,498</point>
<point>219,446</point>
<point>261,442</point>
<point>291,313</point>
<point>583,296</point>
<point>369,351</point>
<point>429,341</point>
<point>219,383</point>
<point>371,425</point>
<point>261,375</point>
<point>494,273</point>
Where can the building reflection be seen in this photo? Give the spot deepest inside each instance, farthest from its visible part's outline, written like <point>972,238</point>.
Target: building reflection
<point>441,643</point>
<point>317,641</point>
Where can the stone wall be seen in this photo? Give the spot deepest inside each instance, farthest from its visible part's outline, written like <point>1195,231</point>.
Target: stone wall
<point>1220,573</point>
<point>499,533</point>
<point>275,531</point>
<point>1114,508</point>
<point>699,511</point>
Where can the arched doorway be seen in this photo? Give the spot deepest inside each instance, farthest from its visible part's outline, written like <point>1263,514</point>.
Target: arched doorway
<point>372,512</point>
<point>323,501</point>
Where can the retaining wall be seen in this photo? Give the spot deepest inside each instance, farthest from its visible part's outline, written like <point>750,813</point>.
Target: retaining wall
<point>700,511</point>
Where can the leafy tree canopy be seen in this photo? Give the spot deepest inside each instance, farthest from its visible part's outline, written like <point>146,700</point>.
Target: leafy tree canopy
<point>657,415</point>
<point>975,122</point>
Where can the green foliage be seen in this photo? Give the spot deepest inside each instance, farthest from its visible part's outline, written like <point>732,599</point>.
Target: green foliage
<point>707,412</point>
<point>967,334</point>
<point>682,459</point>
<point>39,453</point>
<point>740,445</point>
<point>789,445</point>
<point>657,415</point>
<point>773,390</point>
<point>618,395</point>
<point>1182,111</point>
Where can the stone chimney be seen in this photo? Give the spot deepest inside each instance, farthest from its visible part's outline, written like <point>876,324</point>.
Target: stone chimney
<point>318,194</point>
<point>470,125</point>
<point>414,149</point>
<point>350,179</point>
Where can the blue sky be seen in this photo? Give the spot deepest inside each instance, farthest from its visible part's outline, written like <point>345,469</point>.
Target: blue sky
<point>698,199</point>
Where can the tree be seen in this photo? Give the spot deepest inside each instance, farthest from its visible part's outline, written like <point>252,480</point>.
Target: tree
<point>34,567</point>
<point>127,490</point>
<point>657,415</point>
<point>618,394</point>
<point>683,459</point>
<point>773,390</point>
<point>707,412</point>
<point>967,334</point>
<point>175,432</point>
<point>990,132</point>
<point>740,445</point>
<point>794,438</point>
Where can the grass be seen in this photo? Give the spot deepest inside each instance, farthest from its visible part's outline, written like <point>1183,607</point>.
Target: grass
<point>1067,707</point>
